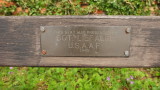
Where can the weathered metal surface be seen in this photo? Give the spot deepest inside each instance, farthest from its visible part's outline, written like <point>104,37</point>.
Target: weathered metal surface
<point>85,40</point>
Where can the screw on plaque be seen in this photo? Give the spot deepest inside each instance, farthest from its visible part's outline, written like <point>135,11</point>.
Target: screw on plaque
<point>128,30</point>
<point>44,52</point>
<point>126,53</point>
<point>42,29</point>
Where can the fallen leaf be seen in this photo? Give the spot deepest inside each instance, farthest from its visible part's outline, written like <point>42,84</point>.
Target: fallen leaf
<point>6,4</point>
<point>124,88</point>
<point>26,10</point>
<point>84,5</point>
<point>99,12</point>
<point>151,9</point>
<point>18,10</point>
<point>43,10</point>
<point>2,2</point>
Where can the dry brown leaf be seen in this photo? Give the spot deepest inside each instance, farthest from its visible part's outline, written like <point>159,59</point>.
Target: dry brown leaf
<point>99,12</point>
<point>26,10</point>
<point>43,10</point>
<point>18,10</point>
<point>84,5</point>
<point>2,2</point>
<point>6,4</point>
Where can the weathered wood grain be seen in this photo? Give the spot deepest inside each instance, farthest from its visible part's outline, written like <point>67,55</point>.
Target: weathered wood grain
<point>20,41</point>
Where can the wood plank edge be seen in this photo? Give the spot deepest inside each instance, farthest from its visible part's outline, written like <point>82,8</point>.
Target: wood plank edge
<point>83,17</point>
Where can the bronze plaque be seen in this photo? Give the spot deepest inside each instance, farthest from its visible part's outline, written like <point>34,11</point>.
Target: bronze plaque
<point>85,41</point>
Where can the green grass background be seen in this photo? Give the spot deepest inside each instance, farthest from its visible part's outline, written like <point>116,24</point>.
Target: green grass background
<point>49,78</point>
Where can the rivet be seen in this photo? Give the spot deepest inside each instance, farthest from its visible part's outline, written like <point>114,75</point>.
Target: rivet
<point>127,30</point>
<point>42,29</point>
<point>126,53</point>
<point>44,52</point>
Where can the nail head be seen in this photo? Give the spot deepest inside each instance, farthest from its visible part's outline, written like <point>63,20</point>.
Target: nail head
<point>42,29</point>
<point>126,53</point>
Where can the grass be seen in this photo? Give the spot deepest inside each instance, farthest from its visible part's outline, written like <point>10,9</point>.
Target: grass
<point>79,7</point>
<point>30,78</point>
<point>41,78</point>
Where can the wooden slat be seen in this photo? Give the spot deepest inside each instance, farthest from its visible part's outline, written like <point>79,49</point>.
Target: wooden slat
<point>20,41</point>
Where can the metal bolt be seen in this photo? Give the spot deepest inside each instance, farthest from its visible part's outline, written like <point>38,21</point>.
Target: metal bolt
<point>126,53</point>
<point>44,52</point>
<point>128,30</point>
<point>42,29</point>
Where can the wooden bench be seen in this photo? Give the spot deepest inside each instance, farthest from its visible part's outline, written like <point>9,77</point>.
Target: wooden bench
<point>20,41</point>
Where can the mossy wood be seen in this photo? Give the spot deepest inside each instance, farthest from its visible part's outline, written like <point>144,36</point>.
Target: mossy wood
<point>20,43</point>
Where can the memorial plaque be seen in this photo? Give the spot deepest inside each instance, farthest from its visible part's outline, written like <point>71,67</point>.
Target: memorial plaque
<point>102,41</point>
